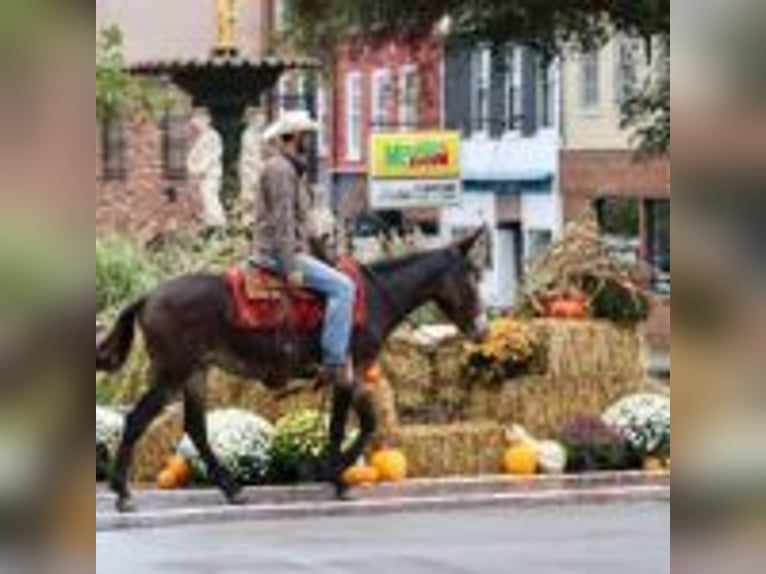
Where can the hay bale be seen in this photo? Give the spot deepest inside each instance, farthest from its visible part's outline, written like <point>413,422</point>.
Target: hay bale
<point>543,405</point>
<point>590,365</point>
<point>158,445</point>
<point>590,349</point>
<point>453,450</point>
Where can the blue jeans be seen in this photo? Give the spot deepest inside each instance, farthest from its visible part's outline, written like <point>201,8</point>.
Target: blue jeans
<point>340,296</point>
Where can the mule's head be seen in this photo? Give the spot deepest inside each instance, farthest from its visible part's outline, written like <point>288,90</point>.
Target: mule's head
<point>457,292</point>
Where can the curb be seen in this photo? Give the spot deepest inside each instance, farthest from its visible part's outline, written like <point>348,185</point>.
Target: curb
<point>205,507</point>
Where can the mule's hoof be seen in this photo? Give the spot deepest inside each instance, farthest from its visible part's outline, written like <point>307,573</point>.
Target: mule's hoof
<point>125,505</point>
<point>344,492</point>
<point>237,498</point>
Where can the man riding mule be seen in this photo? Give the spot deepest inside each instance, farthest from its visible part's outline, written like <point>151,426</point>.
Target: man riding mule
<point>191,324</point>
<point>283,229</point>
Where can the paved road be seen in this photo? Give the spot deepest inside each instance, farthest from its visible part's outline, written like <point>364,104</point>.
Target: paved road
<point>615,539</point>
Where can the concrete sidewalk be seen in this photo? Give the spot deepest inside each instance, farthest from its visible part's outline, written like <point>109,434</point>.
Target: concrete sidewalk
<point>165,509</point>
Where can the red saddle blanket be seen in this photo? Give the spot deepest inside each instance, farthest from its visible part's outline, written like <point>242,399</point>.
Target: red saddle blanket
<point>263,301</point>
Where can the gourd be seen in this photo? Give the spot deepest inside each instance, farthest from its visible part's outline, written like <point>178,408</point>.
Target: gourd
<point>521,460</point>
<point>391,465</point>
<point>176,474</point>
<point>361,475</point>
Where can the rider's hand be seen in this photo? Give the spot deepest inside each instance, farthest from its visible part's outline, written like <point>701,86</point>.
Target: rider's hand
<point>295,279</point>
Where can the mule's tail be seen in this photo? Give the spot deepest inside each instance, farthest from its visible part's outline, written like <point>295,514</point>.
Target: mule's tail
<point>112,352</point>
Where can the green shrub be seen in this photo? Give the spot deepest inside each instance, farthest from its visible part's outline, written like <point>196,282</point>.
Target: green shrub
<point>297,452</point>
<point>617,303</point>
<point>123,272</point>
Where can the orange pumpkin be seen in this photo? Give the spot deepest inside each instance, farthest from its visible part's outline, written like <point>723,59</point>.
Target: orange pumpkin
<point>568,308</point>
<point>180,469</point>
<point>521,460</point>
<point>361,475</point>
<point>391,465</point>
<point>167,480</point>
<point>373,375</point>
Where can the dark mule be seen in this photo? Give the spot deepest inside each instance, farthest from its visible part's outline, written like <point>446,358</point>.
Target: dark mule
<point>188,326</point>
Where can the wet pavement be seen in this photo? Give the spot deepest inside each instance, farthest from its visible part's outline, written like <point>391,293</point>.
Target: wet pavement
<point>605,539</point>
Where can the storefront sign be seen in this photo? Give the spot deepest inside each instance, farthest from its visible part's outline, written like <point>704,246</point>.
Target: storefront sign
<point>420,169</point>
<point>414,193</point>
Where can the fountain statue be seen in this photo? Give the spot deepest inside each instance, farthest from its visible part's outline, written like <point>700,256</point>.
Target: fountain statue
<point>205,165</point>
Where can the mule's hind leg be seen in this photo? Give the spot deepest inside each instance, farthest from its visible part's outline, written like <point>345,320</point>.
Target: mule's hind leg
<point>362,404</point>
<point>195,424</point>
<point>147,409</point>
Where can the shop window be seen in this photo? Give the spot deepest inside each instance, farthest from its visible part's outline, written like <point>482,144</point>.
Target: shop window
<point>658,243</point>
<point>620,223</point>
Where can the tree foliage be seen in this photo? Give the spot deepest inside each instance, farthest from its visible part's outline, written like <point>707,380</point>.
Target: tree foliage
<point>550,26</point>
<point>117,90</point>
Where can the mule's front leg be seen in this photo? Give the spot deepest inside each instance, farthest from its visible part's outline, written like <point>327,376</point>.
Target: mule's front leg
<point>341,408</point>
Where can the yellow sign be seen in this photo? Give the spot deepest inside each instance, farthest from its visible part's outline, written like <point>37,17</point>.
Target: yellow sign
<point>417,155</point>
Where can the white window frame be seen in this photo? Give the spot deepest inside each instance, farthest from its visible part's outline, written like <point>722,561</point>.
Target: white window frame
<point>546,106</point>
<point>354,113</point>
<point>409,103</point>
<point>514,95</point>
<point>481,90</point>
<point>590,81</point>
<point>381,99</point>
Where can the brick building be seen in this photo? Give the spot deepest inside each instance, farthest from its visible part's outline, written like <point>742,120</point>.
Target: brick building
<point>600,169</point>
<point>141,179</point>
<point>389,85</point>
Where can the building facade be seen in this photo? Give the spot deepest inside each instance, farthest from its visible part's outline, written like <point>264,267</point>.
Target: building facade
<point>392,84</point>
<point>142,184</point>
<point>503,99</point>
<point>600,168</point>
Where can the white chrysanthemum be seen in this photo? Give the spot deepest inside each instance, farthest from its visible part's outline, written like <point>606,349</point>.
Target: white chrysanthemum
<point>644,420</point>
<point>241,440</point>
<point>552,457</point>
<point>109,425</point>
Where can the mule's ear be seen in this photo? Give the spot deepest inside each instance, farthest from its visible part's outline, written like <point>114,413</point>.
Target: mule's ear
<point>467,244</point>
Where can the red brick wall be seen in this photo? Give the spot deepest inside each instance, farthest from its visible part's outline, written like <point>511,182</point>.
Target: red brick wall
<point>426,53</point>
<point>587,175</point>
<point>137,205</point>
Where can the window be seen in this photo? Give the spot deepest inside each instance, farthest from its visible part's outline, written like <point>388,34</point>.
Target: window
<point>293,92</point>
<point>545,95</point>
<point>658,243</point>
<point>382,99</point>
<point>620,223</point>
<point>409,97</point>
<point>322,114</point>
<point>628,57</point>
<point>538,242</point>
<point>634,228</point>
<point>590,80</point>
<point>481,86</point>
<point>113,150</point>
<point>513,80</point>
<point>354,116</point>
<point>174,146</point>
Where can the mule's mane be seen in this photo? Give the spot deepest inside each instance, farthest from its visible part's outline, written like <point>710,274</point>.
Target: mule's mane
<point>388,266</point>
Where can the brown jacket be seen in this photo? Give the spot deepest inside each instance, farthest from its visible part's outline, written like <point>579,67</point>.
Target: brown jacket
<point>282,207</point>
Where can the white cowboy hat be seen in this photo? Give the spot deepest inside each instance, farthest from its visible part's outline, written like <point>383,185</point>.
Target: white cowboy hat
<point>293,122</point>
